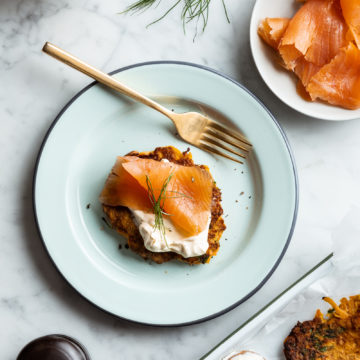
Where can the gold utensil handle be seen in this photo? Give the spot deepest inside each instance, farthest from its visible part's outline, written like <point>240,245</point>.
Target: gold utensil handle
<point>101,77</point>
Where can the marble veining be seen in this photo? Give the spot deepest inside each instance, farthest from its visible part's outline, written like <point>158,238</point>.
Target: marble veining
<point>34,299</point>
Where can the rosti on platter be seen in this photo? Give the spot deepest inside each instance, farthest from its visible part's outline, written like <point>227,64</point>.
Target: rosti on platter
<point>196,189</point>
<point>334,337</point>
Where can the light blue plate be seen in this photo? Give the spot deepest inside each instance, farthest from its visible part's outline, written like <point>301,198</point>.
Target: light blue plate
<point>259,198</point>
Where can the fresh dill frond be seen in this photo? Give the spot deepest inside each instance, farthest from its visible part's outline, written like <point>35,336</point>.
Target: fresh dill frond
<point>158,204</point>
<point>139,5</point>
<point>192,10</point>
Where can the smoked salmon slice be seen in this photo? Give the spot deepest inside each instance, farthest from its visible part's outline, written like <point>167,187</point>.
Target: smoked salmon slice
<point>316,33</point>
<point>120,188</point>
<point>271,30</point>
<point>351,12</point>
<point>188,194</point>
<point>339,81</point>
<point>305,70</point>
<point>320,44</point>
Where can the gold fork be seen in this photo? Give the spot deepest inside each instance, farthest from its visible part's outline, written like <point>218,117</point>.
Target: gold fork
<point>192,127</point>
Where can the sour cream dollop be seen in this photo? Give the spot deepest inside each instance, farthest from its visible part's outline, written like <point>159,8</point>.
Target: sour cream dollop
<point>243,355</point>
<point>174,241</point>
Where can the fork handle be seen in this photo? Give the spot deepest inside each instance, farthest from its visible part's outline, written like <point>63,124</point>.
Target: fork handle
<point>101,77</point>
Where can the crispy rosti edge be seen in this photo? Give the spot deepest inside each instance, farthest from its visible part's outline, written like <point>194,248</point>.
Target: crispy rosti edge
<point>327,337</point>
<point>297,345</point>
<point>121,219</point>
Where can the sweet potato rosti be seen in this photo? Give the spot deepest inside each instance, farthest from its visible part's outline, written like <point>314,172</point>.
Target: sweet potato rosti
<point>122,220</point>
<point>336,337</point>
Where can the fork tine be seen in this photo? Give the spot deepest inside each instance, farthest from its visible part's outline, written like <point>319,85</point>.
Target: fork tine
<point>221,145</point>
<point>215,151</point>
<point>226,139</point>
<point>233,133</point>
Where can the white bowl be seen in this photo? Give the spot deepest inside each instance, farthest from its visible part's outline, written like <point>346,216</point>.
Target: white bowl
<point>280,81</point>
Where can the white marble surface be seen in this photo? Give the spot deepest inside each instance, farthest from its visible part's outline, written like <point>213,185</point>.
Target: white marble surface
<point>34,299</point>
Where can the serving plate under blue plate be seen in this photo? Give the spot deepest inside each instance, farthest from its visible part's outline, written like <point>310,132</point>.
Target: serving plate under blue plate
<point>259,197</point>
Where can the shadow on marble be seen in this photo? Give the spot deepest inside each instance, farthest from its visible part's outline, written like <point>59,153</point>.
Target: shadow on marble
<point>30,10</point>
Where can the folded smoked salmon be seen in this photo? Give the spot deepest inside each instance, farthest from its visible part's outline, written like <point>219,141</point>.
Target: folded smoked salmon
<point>315,44</point>
<point>166,206</point>
<point>335,336</point>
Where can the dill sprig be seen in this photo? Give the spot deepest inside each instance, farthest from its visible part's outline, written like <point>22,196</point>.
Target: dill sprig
<point>192,10</point>
<point>158,204</point>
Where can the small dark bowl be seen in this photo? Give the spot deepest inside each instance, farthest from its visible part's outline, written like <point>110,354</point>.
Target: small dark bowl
<point>54,347</point>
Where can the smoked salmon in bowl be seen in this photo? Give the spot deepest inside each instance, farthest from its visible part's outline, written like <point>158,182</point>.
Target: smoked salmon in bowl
<point>307,53</point>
